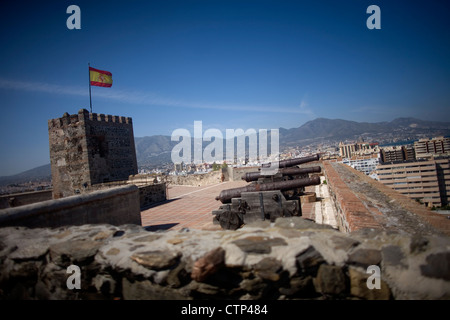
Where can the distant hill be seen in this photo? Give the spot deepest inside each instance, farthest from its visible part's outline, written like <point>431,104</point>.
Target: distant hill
<point>153,150</point>
<point>336,129</point>
<point>42,173</point>
<point>153,146</point>
<point>156,150</point>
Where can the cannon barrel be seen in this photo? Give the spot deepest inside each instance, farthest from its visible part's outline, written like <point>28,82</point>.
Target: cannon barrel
<point>292,162</point>
<point>225,196</point>
<point>253,176</point>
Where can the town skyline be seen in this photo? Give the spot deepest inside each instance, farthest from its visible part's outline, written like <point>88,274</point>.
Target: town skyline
<point>398,135</point>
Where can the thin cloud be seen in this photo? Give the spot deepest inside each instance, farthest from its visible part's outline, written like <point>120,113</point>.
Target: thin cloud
<point>41,87</point>
<point>303,108</point>
<point>141,98</point>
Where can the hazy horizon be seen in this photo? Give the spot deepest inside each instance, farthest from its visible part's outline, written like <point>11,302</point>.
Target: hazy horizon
<point>2,176</point>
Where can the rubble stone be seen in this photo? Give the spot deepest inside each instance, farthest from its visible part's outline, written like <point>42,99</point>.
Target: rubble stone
<point>209,264</point>
<point>259,262</point>
<point>331,280</point>
<point>365,257</point>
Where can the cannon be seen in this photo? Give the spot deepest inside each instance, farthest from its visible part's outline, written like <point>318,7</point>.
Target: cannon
<point>254,176</point>
<point>266,197</point>
<point>292,162</point>
<point>226,195</point>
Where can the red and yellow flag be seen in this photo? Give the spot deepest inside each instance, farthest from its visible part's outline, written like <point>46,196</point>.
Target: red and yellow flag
<point>100,78</point>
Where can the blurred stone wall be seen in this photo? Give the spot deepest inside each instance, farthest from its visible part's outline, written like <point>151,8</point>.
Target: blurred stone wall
<point>118,205</point>
<point>292,258</point>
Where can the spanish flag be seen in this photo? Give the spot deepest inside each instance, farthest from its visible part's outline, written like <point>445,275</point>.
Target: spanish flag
<point>100,78</point>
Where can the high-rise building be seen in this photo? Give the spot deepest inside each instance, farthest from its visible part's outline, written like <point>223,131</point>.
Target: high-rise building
<point>359,148</point>
<point>426,148</point>
<point>88,149</point>
<point>346,150</point>
<point>394,154</point>
<point>427,181</point>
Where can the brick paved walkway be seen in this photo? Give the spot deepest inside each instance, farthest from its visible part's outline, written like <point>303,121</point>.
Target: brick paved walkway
<point>187,207</point>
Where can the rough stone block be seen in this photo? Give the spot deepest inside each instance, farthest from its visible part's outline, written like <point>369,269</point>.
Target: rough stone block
<point>330,280</point>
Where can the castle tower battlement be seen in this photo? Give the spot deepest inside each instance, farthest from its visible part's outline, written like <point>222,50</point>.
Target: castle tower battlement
<point>84,115</point>
<point>90,148</point>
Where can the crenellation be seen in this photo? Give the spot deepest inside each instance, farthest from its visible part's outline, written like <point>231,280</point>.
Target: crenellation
<point>74,119</point>
<point>93,116</point>
<point>65,120</point>
<point>83,115</point>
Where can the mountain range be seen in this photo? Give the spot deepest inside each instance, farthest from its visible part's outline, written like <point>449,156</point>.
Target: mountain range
<point>156,150</point>
<point>337,129</point>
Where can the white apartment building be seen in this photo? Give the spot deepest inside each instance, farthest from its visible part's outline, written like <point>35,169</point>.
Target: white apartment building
<point>366,164</point>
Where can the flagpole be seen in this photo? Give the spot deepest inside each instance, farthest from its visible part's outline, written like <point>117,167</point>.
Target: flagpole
<point>90,99</point>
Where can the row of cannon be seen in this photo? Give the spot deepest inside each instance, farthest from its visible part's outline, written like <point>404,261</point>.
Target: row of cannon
<point>267,196</point>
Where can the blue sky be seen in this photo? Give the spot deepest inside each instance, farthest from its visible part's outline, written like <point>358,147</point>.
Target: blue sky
<point>231,64</point>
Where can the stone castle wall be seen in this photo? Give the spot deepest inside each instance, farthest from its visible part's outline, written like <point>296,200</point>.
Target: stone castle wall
<point>197,180</point>
<point>292,258</point>
<point>24,198</point>
<point>116,206</point>
<point>352,214</point>
<point>362,202</point>
<point>89,148</point>
<point>152,193</point>
<point>236,173</point>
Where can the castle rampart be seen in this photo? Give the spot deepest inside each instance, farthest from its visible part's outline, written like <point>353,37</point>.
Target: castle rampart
<point>292,258</point>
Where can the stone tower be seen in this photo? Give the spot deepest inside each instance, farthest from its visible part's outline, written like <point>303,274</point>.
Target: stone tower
<point>89,148</point>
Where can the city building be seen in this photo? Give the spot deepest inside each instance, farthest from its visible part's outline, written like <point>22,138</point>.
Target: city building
<point>427,181</point>
<point>359,148</point>
<point>346,150</point>
<point>178,167</point>
<point>366,164</point>
<point>397,153</point>
<point>426,148</point>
